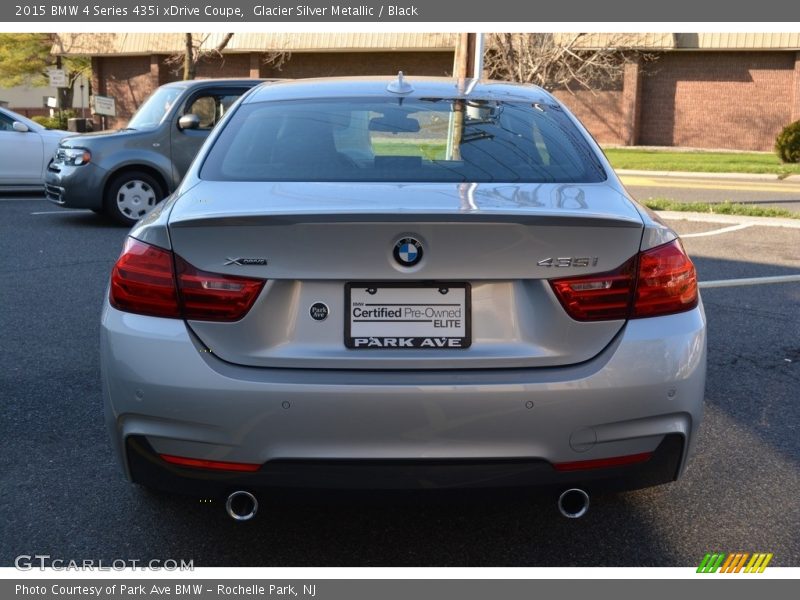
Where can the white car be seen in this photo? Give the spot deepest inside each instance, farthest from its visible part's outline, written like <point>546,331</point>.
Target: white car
<point>25,151</point>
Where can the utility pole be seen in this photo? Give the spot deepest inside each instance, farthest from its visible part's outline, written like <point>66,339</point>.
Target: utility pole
<point>59,96</point>
<point>467,64</point>
<point>464,60</point>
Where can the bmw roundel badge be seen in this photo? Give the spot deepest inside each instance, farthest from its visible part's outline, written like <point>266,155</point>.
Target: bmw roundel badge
<point>408,251</point>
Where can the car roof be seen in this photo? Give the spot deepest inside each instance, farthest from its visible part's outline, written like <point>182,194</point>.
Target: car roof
<point>196,83</point>
<point>422,87</point>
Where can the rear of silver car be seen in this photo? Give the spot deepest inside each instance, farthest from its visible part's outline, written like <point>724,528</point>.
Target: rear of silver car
<point>266,331</point>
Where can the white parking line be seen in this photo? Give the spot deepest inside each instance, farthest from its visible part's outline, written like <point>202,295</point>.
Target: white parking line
<point>718,231</point>
<point>669,215</point>
<point>720,283</point>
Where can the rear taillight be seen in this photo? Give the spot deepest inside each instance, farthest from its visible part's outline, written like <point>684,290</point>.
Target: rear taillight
<point>597,297</point>
<point>659,281</point>
<point>144,281</point>
<point>667,282</point>
<point>214,297</point>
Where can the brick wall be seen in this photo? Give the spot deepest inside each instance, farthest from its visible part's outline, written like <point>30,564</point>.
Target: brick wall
<point>717,99</point>
<point>601,113</point>
<point>796,89</point>
<point>336,64</point>
<point>34,111</point>
<point>127,79</point>
<point>701,99</point>
<point>131,79</point>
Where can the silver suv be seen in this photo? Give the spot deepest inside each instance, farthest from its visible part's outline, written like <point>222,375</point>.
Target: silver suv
<point>125,173</point>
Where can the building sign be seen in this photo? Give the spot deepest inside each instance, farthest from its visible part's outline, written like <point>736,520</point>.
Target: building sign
<point>105,105</point>
<point>58,78</point>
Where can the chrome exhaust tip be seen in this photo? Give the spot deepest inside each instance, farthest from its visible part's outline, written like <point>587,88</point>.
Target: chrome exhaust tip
<point>241,506</point>
<point>573,503</point>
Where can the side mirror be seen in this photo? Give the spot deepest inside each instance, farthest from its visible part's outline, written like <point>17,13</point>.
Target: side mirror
<point>19,126</point>
<point>189,121</point>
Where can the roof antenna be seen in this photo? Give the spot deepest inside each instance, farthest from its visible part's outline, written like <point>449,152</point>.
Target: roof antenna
<point>399,85</point>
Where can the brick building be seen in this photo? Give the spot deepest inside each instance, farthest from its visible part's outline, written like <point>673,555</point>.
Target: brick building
<point>128,67</point>
<point>703,90</point>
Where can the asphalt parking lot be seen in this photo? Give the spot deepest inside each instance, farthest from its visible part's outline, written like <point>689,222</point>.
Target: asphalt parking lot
<point>60,493</point>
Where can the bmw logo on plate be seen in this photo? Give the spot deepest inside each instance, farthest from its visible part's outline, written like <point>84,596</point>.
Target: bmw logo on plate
<point>408,252</point>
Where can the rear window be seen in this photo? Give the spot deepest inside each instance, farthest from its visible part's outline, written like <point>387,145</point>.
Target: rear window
<point>401,140</point>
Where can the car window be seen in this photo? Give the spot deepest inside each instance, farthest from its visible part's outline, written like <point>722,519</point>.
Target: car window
<point>151,113</point>
<point>210,108</point>
<point>6,123</point>
<point>432,139</point>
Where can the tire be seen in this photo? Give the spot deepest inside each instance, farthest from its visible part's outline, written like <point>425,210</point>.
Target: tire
<point>131,195</point>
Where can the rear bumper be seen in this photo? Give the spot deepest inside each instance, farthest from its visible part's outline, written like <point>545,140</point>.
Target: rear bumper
<point>146,468</point>
<point>343,428</point>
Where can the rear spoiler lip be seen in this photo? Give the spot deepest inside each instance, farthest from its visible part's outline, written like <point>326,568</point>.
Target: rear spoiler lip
<point>522,218</point>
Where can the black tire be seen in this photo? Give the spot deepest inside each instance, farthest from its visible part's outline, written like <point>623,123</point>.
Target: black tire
<point>131,195</point>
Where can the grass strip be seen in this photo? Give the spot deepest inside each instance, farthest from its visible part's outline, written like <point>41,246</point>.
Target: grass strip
<point>700,162</point>
<point>720,208</point>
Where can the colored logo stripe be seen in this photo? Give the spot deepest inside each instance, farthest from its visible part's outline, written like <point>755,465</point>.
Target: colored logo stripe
<point>710,563</point>
<point>735,562</point>
<point>758,563</point>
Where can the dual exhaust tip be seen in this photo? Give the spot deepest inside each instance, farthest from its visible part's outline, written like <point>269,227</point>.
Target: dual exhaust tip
<point>573,503</point>
<point>243,506</point>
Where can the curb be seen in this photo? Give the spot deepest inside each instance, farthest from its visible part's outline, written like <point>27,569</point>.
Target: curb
<point>697,175</point>
<point>671,215</point>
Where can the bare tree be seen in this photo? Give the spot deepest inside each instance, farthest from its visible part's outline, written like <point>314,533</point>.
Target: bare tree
<point>560,60</point>
<point>277,58</point>
<point>196,49</point>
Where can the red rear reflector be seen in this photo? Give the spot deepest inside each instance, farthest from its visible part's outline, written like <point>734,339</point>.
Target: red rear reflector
<point>143,281</point>
<point>667,282</point>
<point>216,465</point>
<point>602,463</point>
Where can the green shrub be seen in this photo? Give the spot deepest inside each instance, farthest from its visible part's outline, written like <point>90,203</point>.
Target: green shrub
<point>787,144</point>
<point>58,121</point>
<point>49,122</point>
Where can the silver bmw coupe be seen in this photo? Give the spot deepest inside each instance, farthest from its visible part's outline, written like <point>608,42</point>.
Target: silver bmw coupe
<point>396,283</point>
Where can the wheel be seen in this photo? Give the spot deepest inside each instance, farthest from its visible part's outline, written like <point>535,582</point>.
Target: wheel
<point>131,195</point>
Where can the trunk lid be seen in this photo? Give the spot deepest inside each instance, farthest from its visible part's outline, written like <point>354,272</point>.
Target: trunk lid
<point>309,240</point>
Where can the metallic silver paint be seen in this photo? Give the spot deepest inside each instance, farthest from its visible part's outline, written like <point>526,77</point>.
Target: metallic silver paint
<point>159,381</point>
<point>579,391</point>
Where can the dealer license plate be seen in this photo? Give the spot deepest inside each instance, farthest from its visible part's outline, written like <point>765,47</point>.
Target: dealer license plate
<point>407,315</point>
